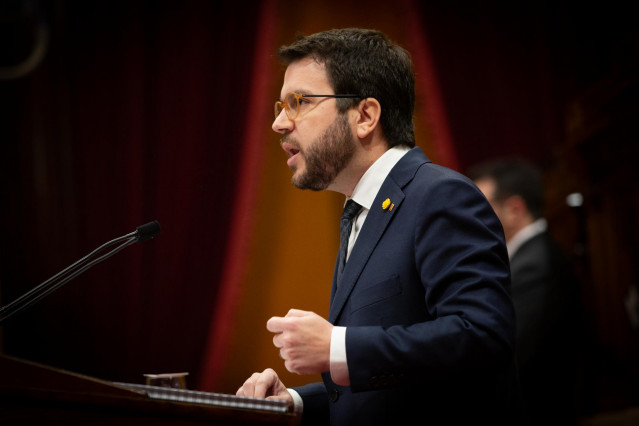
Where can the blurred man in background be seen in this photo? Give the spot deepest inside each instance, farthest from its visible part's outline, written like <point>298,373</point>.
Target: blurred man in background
<point>544,291</point>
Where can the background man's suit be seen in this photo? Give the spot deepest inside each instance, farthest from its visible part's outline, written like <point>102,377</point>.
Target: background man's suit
<point>546,300</point>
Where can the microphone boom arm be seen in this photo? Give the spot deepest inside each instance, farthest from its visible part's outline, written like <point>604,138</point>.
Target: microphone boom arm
<point>142,233</point>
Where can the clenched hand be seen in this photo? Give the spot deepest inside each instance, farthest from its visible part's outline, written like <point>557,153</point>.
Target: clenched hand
<point>304,340</point>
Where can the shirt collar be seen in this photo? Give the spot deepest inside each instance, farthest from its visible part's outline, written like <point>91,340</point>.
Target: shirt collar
<point>368,186</point>
<point>525,234</point>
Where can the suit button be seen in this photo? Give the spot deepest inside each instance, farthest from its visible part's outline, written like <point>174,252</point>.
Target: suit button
<point>333,395</point>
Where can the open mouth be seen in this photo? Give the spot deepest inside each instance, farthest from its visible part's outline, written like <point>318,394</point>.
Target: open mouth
<point>290,149</point>
<point>292,153</point>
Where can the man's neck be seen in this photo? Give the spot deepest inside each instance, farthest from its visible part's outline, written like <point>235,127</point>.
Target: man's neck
<point>347,180</point>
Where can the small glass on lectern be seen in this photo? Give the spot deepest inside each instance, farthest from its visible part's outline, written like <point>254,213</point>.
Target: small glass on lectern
<point>167,380</point>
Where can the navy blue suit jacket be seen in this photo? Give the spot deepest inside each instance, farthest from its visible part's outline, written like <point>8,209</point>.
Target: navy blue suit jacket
<point>425,299</point>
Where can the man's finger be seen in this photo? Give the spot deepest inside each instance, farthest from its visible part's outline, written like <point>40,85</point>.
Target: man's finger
<point>276,340</point>
<point>297,313</point>
<point>276,324</point>
<point>265,383</point>
<point>248,388</point>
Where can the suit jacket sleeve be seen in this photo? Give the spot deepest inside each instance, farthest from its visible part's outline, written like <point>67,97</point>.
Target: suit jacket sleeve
<point>315,399</point>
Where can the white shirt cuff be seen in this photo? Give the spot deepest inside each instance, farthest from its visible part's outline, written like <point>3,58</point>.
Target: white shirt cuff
<point>298,403</point>
<point>339,366</point>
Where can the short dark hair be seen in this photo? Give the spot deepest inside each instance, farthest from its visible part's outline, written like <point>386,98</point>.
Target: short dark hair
<point>513,176</point>
<point>367,63</point>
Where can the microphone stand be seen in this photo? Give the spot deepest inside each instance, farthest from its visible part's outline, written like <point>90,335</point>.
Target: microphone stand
<point>142,233</point>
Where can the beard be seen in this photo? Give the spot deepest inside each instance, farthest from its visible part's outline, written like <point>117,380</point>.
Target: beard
<point>326,157</point>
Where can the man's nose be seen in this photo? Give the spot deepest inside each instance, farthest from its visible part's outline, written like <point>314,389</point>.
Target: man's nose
<point>282,123</point>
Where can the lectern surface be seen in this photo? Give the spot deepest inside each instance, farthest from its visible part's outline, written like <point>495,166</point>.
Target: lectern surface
<point>32,393</point>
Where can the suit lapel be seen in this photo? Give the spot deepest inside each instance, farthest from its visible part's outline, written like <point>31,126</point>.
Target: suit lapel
<point>375,224</point>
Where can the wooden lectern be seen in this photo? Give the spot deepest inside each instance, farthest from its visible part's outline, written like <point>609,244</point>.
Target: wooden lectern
<point>34,394</point>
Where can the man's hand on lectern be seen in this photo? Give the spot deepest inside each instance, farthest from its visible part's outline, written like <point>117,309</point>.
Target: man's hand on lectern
<point>265,385</point>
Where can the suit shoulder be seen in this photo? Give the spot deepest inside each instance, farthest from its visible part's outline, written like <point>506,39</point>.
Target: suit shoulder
<point>444,179</point>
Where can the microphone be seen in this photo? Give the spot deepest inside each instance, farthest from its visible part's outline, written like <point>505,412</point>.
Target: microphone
<point>142,233</point>
<point>147,231</point>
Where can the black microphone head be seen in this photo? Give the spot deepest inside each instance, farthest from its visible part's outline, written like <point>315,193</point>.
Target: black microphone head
<point>147,231</point>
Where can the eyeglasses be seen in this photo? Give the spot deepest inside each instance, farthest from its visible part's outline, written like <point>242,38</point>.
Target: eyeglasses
<point>291,103</point>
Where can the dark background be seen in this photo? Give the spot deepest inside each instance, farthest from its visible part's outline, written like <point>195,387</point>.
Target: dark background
<point>124,122</point>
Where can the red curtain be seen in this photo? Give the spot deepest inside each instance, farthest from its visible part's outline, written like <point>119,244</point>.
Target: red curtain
<point>139,112</point>
<point>244,205</point>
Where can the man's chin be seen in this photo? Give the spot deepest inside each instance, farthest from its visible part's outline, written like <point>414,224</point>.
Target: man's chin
<point>302,182</point>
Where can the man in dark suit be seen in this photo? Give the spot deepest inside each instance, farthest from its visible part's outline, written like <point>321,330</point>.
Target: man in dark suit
<point>544,291</point>
<point>421,326</point>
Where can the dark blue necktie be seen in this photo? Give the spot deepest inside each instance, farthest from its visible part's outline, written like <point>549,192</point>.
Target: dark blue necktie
<point>346,224</point>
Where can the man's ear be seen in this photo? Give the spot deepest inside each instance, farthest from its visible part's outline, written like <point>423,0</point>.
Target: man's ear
<point>516,205</point>
<point>369,111</point>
